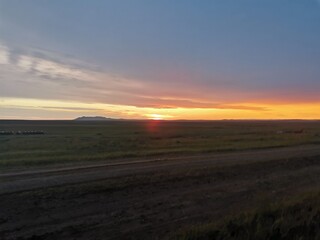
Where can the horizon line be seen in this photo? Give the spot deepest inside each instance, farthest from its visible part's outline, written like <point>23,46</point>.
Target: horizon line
<point>164,120</point>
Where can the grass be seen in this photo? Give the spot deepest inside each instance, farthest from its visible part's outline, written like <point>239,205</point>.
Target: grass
<point>72,142</point>
<point>296,219</point>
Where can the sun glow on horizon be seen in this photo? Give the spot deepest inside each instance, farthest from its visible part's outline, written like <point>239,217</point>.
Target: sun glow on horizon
<point>156,116</point>
<point>18,108</point>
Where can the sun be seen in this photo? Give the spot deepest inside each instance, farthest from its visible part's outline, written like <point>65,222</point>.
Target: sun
<point>156,116</point>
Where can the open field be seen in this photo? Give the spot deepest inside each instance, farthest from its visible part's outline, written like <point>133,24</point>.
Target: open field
<point>70,142</point>
<point>172,180</point>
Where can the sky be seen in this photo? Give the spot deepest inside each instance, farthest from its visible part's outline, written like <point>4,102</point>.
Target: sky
<point>168,59</point>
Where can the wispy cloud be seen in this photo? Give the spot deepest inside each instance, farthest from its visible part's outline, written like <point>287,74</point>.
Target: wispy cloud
<point>4,54</point>
<point>40,74</point>
<point>60,77</point>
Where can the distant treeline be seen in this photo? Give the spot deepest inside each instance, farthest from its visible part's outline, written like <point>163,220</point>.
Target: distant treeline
<point>22,132</point>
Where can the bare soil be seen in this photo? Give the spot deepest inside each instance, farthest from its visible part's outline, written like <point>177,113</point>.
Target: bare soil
<point>150,198</point>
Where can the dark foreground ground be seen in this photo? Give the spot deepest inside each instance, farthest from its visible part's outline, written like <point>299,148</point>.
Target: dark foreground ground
<point>152,199</point>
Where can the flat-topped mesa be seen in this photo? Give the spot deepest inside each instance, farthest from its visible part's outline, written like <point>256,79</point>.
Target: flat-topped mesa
<point>93,118</point>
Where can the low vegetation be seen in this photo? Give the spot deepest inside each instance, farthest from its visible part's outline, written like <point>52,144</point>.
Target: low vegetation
<point>72,141</point>
<point>289,220</point>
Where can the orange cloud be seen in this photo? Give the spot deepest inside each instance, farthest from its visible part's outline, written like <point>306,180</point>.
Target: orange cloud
<point>67,109</point>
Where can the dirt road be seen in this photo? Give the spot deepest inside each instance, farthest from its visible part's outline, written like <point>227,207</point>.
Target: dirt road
<point>149,199</point>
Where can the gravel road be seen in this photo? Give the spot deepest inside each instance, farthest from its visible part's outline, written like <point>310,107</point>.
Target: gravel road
<point>149,198</point>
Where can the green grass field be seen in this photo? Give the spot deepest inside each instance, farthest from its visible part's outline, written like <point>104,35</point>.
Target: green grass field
<point>72,142</point>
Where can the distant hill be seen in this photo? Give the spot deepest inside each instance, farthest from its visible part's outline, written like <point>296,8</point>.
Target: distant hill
<point>96,118</point>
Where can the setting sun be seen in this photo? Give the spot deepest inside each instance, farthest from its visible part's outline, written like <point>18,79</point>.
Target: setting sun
<point>156,116</point>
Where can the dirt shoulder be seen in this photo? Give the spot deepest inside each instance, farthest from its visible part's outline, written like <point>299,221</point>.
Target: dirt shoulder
<point>149,199</point>
<point>47,177</point>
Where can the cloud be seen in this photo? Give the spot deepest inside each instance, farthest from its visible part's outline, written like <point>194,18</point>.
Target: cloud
<point>76,109</point>
<point>26,63</point>
<point>40,74</point>
<point>54,70</point>
<point>4,54</point>
<point>60,77</point>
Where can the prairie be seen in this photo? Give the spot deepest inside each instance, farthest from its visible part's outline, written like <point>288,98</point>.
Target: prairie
<point>71,142</point>
<point>160,180</point>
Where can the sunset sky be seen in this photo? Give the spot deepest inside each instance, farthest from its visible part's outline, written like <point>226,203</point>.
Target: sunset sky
<point>168,59</point>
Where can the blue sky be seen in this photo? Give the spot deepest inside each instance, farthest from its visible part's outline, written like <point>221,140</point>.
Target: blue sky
<point>166,53</point>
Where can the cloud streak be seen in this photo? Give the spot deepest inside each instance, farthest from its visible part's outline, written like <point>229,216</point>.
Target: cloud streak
<point>4,54</point>
<point>46,76</point>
